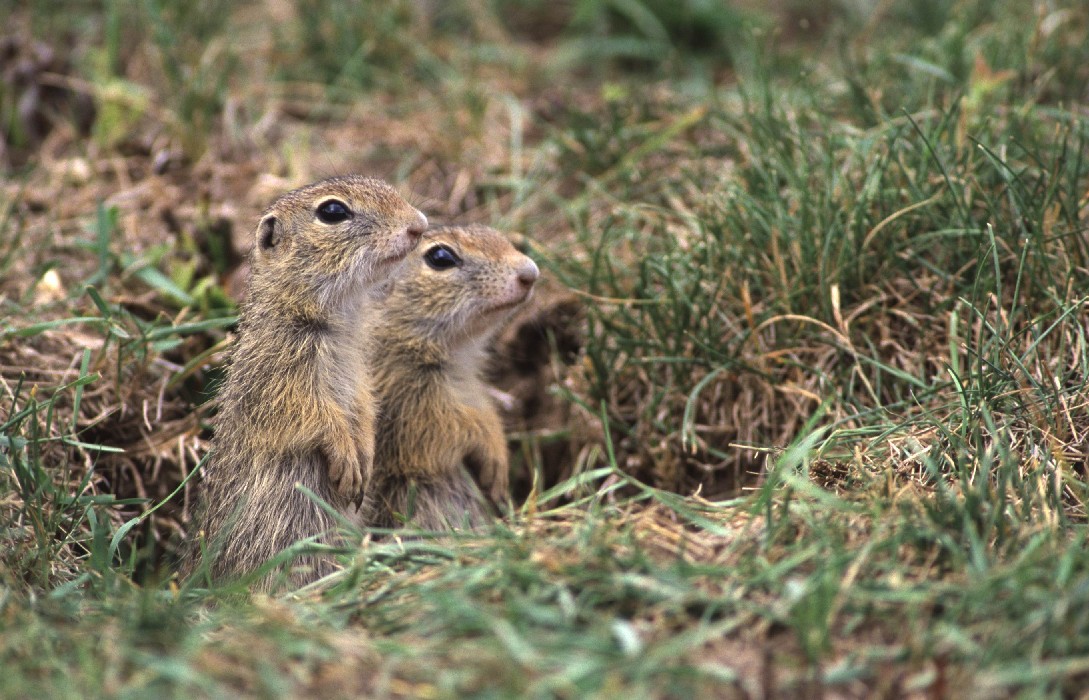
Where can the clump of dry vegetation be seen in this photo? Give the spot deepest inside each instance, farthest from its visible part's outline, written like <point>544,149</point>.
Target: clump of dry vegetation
<point>802,407</point>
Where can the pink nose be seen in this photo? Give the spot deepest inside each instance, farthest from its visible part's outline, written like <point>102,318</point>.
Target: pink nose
<point>417,227</point>
<point>528,273</point>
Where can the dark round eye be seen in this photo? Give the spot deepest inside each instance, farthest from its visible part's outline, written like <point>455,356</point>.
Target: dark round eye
<point>333,211</point>
<point>441,258</point>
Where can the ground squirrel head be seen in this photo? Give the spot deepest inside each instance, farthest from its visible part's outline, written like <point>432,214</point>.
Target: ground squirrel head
<point>334,239</point>
<point>460,284</point>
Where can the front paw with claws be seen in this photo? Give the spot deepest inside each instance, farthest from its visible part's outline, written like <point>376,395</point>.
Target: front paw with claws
<point>349,471</point>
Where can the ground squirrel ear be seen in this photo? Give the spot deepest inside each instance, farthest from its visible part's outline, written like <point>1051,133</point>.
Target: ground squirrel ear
<point>268,233</point>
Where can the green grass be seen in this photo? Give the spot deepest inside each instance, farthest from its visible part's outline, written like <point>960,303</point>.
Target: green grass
<point>827,429</point>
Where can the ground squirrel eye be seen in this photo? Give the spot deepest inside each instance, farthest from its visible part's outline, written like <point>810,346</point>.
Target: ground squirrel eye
<point>333,211</point>
<point>441,258</point>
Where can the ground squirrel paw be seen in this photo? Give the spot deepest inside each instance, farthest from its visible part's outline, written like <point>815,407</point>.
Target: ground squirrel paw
<point>348,474</point>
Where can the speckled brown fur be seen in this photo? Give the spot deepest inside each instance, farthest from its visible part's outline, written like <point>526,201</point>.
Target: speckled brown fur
<point>437,426</point>
<point>297,405</point>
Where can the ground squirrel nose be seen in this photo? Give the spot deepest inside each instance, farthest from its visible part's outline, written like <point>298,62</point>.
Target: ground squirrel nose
<point>528,273</point>
<point>417,227</point>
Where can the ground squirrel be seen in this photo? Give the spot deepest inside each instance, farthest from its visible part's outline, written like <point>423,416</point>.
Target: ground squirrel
<point>437,427</point>
<point>297,404</point>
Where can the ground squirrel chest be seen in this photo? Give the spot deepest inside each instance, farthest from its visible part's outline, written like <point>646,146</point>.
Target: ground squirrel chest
<point>439,436</point>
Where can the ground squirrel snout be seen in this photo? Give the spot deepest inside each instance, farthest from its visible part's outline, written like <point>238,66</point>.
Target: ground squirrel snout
<point>297,406</point>
<point>528,273</point>
<point>440,441</point>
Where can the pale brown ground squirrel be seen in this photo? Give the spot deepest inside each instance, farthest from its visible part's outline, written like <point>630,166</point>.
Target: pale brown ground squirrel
<point>297,405</point>
<point>439,434</point>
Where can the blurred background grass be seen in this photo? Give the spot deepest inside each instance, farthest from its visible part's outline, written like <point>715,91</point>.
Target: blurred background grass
<point>823,265</point>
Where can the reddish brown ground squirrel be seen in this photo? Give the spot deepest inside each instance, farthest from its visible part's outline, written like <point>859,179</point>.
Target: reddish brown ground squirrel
<point>297,405</point>
<point>440,440</point>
